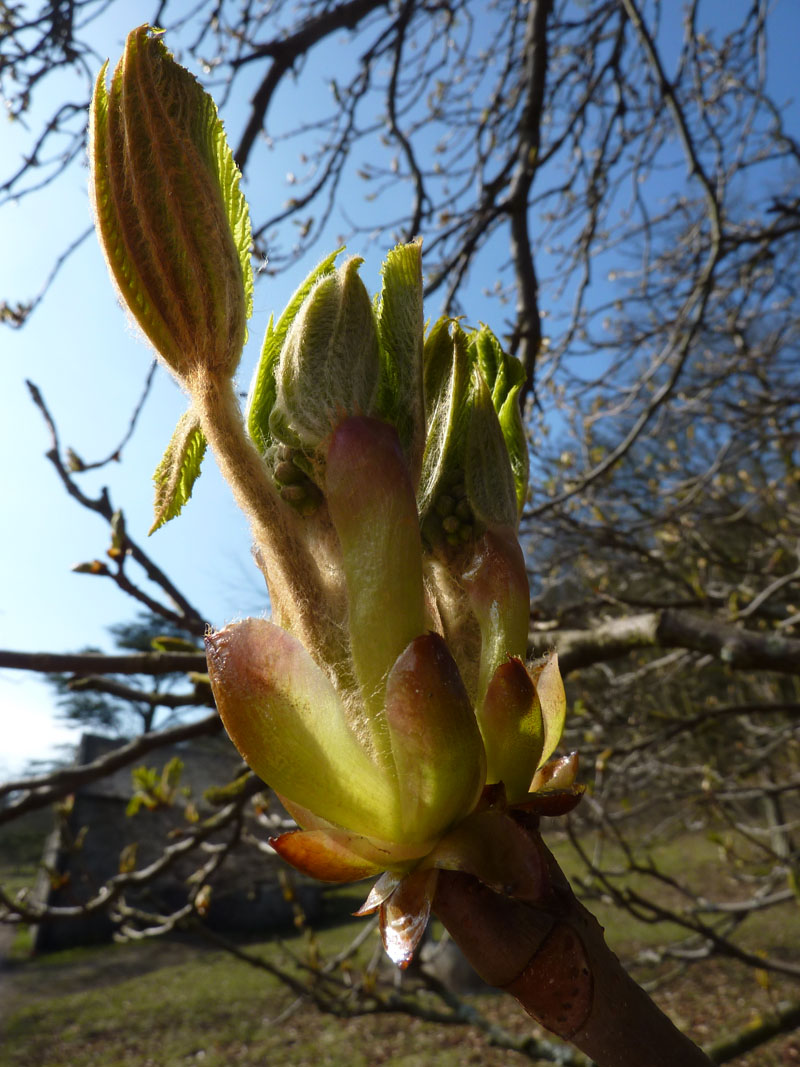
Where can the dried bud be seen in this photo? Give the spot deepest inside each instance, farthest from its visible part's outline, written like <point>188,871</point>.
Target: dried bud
<point>172,221</point>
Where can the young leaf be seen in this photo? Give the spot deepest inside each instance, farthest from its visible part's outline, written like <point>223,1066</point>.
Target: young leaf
<point>329,364</point>
<point>504,376</point>
<point>400,329</point>
<point>487,469</point>
<point>178,470</point>
<point>264,386</point>
<point>447,385</point>
<point>172,220</point>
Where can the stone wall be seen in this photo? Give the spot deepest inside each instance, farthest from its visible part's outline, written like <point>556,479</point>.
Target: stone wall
<point>85,849</point>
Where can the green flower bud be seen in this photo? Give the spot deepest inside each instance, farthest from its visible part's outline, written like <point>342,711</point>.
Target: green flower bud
<point>172,221</point>
<point>293,482</point>
<point>329,365</point>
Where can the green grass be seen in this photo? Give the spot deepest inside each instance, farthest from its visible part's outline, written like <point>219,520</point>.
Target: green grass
<point>174,1003</point>
<point>167,1005</point>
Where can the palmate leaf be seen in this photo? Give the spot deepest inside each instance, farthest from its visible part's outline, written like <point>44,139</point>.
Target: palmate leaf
<point>264,386</point>
<point>178,470</point>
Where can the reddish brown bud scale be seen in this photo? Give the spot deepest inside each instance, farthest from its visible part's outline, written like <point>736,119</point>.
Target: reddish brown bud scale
<point>556,986</point>
<point>320,855</point>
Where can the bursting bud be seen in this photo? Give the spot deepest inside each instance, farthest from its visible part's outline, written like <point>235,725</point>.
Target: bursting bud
<point>475,467</point>
<point>470,497</point>
<point>172,221</point>
<point>329,365</point>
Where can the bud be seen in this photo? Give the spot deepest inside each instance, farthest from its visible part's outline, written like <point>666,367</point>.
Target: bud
<point>474,473</point>
<point>263,388</point>
<point>401,330</point>
<point>384,476</point>
<point>504,376</point>
<point>329,365</point>
<point>372,507</point>
<point>172,221</point>
<point>362,808</point>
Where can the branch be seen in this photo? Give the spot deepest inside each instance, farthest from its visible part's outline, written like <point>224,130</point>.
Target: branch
<point>742,649</point>
<point>115,455</point>
<point>551,955</point>
<point>785,1018</point>
<point>19,316</point>
<point>186,616</point>
<point>44,789</point>
<point>528,330</point>
<point>199,696</point>
<point>191,839</point>
<point>285,51</point>
<point>154,663</point>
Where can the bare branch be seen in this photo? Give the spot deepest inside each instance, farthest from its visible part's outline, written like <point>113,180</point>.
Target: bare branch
<point>742,649</point>
<point>38,791</point>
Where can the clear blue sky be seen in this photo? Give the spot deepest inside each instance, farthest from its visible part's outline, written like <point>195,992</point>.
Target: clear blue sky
<point>90,368</point>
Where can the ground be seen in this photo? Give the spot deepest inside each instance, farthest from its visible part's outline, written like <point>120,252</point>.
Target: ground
<point>169,1004</point>
<point>181,1002</point>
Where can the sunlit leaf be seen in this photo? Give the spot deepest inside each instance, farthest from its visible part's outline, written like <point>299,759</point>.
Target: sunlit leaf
<point>178,470</point>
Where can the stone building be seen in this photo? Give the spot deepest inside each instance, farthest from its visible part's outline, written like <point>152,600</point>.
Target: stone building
<point>94,839</point>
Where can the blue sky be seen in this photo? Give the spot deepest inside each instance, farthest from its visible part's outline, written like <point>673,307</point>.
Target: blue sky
<point>90,367</point>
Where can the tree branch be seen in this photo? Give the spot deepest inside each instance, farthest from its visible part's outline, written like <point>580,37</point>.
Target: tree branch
<point>527,338</point>
<point>285,51</point>
<point>609,640</point>
<point>154,663</point>
<point>44,789</point>
<point>785,1018</point>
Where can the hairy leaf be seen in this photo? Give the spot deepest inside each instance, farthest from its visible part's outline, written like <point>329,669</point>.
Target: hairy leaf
<point>178,470</point>
<point>264,386</point>
<point>400,329</point>
<point>172,220</point>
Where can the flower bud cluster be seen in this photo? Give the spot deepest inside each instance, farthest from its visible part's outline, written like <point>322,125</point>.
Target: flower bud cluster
<point>384,472</point>
<point>294,484</point>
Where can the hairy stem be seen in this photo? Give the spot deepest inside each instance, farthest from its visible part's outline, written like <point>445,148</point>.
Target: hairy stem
<point>299,580</point>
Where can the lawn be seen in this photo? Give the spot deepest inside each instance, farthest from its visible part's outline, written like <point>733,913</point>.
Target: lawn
<point>180,1002</point>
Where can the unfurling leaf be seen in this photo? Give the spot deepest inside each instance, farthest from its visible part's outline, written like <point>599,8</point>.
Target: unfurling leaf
<point>504,376</point>
<point>178,470</point>
<point>400,331</point>
<point>172,221</point>
<point>264,386</point>
<point>329,364</point>
<point>474,472</point>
